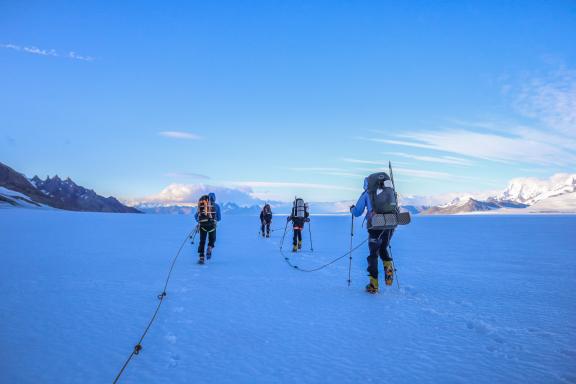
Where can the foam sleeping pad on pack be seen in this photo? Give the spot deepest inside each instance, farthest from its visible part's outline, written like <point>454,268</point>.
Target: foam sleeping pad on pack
<point>390,220</point>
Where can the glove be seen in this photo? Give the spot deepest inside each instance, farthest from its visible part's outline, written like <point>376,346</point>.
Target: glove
<point>352,208</point>
<point>288,218</point>
<point>307,219</point>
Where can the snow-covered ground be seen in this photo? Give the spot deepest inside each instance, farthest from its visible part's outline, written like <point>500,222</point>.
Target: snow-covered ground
<point>483,299</point>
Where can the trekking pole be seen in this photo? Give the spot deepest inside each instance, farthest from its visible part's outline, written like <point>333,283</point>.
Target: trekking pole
<point>310,233</point>
<point>284,235</point>
<point>350,254</point>
<point>194,234</point>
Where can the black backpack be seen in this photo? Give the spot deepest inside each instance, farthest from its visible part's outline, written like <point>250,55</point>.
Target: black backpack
<point>206,211</point>
<point>381,192</point>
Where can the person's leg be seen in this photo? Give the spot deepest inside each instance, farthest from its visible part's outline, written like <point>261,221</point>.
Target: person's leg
<point>385,256</point>
<point>300,238</point>
<point>202,243</point>
<point>212,238</point>
<point>268,228</point>
<point>385,240</point>
<point>373,246</point>
<point>262,227</point>
<point>211,242</point>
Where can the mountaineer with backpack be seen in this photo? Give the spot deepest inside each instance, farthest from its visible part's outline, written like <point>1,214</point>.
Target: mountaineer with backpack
<point>380,201</point>
<point>298,216</point>
<point>265,220</point>
<point>207,215</point>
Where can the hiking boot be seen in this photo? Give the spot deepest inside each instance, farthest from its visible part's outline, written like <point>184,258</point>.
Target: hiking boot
<point>299,244</point>
<point>372,287</point>
<point>294,248</point>
<point>268,234</point>
<point>209,253</point>
<point>388,272</point>
<point>201,258</point>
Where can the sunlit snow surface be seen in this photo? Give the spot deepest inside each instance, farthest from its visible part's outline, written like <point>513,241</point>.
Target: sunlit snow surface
<point>482,299</point>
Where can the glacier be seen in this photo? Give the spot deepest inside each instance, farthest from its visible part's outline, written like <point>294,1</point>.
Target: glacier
<point>487,299</point>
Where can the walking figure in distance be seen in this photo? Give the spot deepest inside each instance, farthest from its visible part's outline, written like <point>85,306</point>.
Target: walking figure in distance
<point>207,215</point>
<point>265,220</point>
<point>299,216</point>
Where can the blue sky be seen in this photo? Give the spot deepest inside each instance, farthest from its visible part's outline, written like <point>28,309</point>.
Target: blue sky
<point>286,97</point>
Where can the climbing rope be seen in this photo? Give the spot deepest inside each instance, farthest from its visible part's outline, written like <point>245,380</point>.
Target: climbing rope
<point>161,296</point>
<point>298,268</point>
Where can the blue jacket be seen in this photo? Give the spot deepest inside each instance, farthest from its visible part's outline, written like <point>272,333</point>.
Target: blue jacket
<point>216,207</point>
<point>363,202</point>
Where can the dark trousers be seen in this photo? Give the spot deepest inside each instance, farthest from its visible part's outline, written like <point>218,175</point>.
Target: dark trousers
<point>297,235</point>
<point>378,245</point>
<point>206,232</point>
<point>265,228</point>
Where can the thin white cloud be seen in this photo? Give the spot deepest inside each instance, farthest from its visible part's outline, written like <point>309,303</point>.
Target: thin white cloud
<point>274,184</point>
<point>180,135</point>
<point>75,56</point>
<point>360,161</point>
<point>327,171</point>
<point>550,100</point>
<point>46,52</point>
<point>439,159</point>
<point>423,173</point>
<point>191,175</point>
<point>383,166</point>
<point>549,139</point>
<point>520,146</point>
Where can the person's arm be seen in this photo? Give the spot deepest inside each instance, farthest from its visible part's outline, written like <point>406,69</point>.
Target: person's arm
<point>358,209</point>
<point>196,215</point>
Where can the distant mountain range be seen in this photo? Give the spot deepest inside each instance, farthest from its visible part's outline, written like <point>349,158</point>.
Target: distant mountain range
<point>18,191</point>
<point>523,195</point>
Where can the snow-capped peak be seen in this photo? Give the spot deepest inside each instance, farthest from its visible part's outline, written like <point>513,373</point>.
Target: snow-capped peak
<point>530,190</point>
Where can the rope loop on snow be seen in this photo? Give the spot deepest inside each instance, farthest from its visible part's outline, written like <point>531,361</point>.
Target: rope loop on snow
<point>287,260</point>
<point>161,296</point>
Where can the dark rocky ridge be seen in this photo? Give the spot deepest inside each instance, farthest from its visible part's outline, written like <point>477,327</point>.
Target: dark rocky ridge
<point>61,194</point>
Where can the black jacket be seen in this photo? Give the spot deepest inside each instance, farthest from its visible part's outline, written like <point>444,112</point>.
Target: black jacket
<point>267,217</point>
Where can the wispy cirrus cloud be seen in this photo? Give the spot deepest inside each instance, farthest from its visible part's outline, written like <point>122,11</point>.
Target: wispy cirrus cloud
<point>551,100</point>
<point>183,175</point>
<point>383,166</point>
<point>434,159</point>
<point>274,184</point>
<point>520,146</point>
<point>548,139</point>
<point>182,135</point>
<point>46,52</point>
<point>326,171</point>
